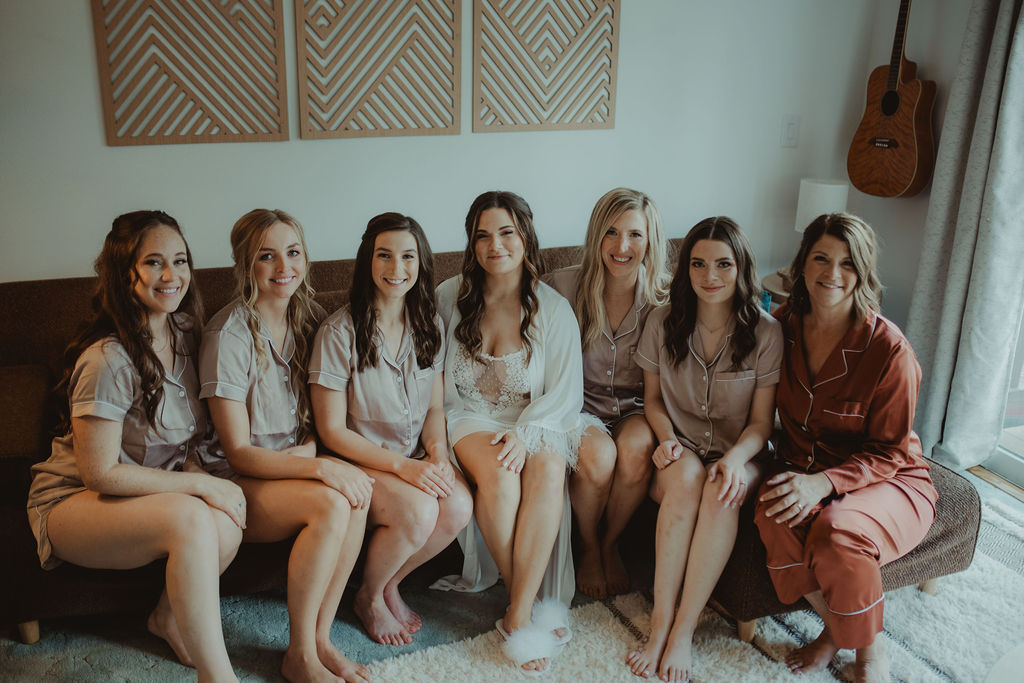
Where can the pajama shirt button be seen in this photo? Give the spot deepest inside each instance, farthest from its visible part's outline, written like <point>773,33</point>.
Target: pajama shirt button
<point>191,428</point>
<point>292,411</point>
<point>291,439</point>
<point>181,394</point>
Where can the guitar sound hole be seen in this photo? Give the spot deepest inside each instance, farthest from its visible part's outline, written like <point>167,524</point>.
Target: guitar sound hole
<point>890,102</point>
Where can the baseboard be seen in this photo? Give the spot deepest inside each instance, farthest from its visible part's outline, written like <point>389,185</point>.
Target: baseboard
<point>999,482</point>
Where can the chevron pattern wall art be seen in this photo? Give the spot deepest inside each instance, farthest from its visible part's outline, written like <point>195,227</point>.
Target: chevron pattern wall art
<point>544,64</point>
<point>179,71</point>
<point>378,67</point>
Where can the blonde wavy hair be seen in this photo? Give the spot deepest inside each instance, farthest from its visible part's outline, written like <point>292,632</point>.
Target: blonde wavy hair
<point>304,314</point>
<point>589,304</point>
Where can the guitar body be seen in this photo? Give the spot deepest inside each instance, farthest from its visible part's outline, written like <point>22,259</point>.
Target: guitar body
<point>893,150</point>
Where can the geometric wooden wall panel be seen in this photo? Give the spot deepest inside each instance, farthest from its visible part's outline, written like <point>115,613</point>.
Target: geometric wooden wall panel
<point>544,64</point>
<point>377,68</point>
<point>179,71</point>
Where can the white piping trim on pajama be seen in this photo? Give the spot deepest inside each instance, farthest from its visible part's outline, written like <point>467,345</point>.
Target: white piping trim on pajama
<point>786,566</point>
<point>832,412</point>
<point>860,611</point>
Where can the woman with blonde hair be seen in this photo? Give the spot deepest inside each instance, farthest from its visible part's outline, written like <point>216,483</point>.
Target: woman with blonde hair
<point>621,280</point>
<point>254,366</point>
<point>378,396</point>
<point>851,489</point>
<point>513,396</point>
<point>711,364</point>
<point>124,485</point>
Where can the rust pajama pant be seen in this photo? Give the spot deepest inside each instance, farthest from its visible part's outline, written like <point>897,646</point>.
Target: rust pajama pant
<point>840,548</point>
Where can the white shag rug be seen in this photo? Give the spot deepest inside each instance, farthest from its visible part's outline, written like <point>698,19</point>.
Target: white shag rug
<point>956,635</point>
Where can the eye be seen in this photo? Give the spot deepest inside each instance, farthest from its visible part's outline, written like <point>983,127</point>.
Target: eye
<point>696,264</point>
<point>507,232</point>
<point>724,265</point>
<point>294,252</point>
<point>848,265</point>
<point>637,235</point>
<point>612,232</point>
<point>265,256</point>
<point>180,262</point>
<point>409,257</point>
<point>820,259</point>
<point>151,262</point>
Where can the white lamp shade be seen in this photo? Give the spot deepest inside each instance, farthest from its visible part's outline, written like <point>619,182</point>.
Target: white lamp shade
<point>818,196</point>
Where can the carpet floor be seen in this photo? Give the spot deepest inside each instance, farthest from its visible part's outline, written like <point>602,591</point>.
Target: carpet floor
<point>956,635</point>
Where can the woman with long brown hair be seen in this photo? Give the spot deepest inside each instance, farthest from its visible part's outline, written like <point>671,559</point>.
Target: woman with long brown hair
<point>124,485</point>
<point>378,396</point>
<point>254,367</point>
<point>513,396</point>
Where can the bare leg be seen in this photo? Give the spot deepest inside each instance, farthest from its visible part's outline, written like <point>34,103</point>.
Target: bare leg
<point>330,656</point>
<point>634,442</point>
<point>162,622</point>
<point>588,492</point>
<point>123,533</point>
<point>278,508</point>
<point>713,540</point>
<point>454,513</point>
<point>540,515</point>
<point>816,655</point>
<point>678,488</point>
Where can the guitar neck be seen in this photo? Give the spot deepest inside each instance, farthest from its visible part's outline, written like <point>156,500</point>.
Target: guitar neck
<point>896,60</point>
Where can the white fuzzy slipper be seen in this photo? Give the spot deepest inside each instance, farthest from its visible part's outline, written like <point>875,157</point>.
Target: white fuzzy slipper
<point>553,615</point>
<point>527,644</point>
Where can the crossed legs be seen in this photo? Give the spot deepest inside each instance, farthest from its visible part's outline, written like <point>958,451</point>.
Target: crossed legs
<point>108,532</point>
<point>692,523</point>
<point>611,481</point>
<point>409,527</point>
<point>519,516</point>
<point>330,534</point>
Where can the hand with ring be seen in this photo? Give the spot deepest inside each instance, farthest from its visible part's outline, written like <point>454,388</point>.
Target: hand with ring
<point>795,496</point>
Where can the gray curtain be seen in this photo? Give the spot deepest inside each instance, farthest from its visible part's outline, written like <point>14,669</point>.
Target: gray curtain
<point>965,313</point>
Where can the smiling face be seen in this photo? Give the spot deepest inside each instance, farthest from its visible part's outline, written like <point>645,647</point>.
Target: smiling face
<point>280,263</point>
<point>624,245</point>
<point>162,270</point>
<point>713,271</point>
<point>497,245</point>
<point>395,264</point>
<point>829,274</point>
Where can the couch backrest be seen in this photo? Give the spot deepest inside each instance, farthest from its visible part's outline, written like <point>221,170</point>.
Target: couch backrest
<point>39,317</point>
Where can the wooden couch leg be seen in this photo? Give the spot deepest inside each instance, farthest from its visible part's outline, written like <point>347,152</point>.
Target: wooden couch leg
<point>929,586</point>
<point>746,629</point>
<point>28,631</point>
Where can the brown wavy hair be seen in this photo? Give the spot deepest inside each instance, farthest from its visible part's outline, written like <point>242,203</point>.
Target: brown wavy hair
<point>117,313</point>
<point>304,314</point>
<point>471,292</point>
<point>860,238</point>
<point>420,304</point>
<point>682,316</point>
<point>589,302</point>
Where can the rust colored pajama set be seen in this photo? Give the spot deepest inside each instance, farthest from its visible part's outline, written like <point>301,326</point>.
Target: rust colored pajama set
<point>854,423</point>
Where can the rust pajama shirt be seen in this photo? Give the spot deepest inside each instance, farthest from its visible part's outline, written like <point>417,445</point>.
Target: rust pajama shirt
<point>854,423</point>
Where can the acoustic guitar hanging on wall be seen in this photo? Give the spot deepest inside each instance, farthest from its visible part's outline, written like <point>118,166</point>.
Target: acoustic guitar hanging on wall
<point>893,150</point>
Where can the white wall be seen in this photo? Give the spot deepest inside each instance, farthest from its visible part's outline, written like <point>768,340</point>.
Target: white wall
<point>702,90</point>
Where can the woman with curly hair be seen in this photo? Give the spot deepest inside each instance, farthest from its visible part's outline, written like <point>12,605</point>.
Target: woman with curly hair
<point>621,280</point>
<point>125,485</point>
<point>254,366</point>
<point>378,396</point>
<point>513,396</point>
<point>711,364</point>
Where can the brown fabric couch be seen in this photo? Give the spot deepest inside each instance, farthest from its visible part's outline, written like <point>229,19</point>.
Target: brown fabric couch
<point>37,321</point>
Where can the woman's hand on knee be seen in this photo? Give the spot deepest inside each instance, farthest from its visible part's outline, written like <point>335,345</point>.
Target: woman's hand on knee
<point>346,479</point>
<point>729,472</point>
<point>667,453</point>
<point>427,476</point>
<point>513,453</point>
<point>795,495</point>
<point>225,495</point>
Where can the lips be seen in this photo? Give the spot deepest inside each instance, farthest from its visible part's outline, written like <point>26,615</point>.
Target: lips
<point>396,283</point>
<point>283,280</point>
<point>168,291</point>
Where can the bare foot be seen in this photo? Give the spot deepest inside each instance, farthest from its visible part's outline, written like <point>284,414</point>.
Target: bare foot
<point>615,573</point>
<point>872,665</point>
<point>401,611</point>
<point>305,668</point>
<point>162,624</point>
<point>590,575</point>
<point>814,656</point>
<point>378,621</point>
<point>340,665</point>
<point>643,659</point>
<point>677,661</point>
